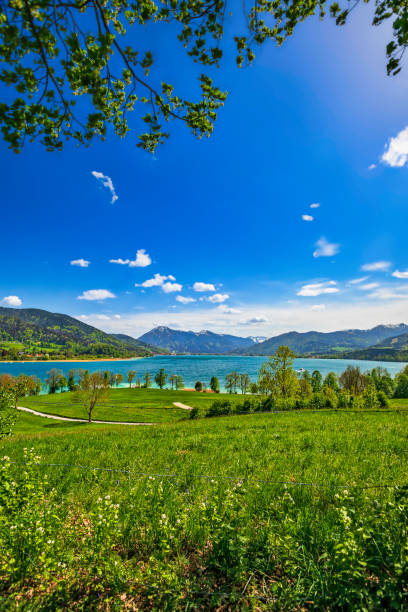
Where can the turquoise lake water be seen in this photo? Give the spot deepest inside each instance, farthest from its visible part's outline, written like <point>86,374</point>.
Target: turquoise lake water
<point>192,367</point>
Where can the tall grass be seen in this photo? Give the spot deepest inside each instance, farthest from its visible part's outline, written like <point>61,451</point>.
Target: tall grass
<point>214,525</point>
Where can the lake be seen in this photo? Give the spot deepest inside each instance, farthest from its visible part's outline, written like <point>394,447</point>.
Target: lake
<point>192,367</point>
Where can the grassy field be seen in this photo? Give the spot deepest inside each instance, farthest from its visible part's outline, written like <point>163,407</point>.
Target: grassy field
<point>264,511</point>
<point>137,405</point>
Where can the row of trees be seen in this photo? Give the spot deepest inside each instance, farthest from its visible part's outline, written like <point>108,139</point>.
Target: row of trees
<point>57,381</point>
<point>277,377</point>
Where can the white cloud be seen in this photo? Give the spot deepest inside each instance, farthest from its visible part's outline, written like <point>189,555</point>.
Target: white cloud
<point>158,280</point>
<point>396,150</point>
<point>171,277</point>
<point>142,260</point>
<point>318,307</point>
<point>82,263</point>
<point>218,298</point>
<point>185,300</point>
<point>200,287</point>
<point>389,293</point>
<point>315,205</point>
<point>96,294</point>
<point>227,310</point>
<point>106,182</point>
<point>372,166</point>
<point>314,289</point>
<point>376,266</point>
<point>253,321</point>
<point>368,286</point>
<point>12,300</point>
<point>399,274</point>
<point>98,317</point>
<point>357,281</point>
<point>307,218</point>
<point>325,249</point>
<point>171,287</point>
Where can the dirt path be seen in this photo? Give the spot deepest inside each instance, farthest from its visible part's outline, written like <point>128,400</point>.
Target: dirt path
<point>180,405</point>
<point>59,418</point>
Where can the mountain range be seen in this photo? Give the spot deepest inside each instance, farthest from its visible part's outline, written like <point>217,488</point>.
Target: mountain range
<point>203,342</point>
<point>31,332</point>
<point>34,332</point>
<point>390,341</point>
<point>331,343</point>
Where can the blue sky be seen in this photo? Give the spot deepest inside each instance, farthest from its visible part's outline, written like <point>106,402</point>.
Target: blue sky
<point>217,224</point>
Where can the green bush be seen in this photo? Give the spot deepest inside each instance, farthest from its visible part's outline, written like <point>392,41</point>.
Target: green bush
<point>8,413</point>
<point>220,408</point>
<point>370,398</point>
<point>401,389</point>
<point>383,399</point>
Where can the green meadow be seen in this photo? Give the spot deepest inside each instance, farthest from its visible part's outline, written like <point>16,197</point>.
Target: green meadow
<point>289,511</point>
<point>129,405</point>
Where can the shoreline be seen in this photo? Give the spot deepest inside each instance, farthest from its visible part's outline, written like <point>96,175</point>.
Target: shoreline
<point>76,360</point>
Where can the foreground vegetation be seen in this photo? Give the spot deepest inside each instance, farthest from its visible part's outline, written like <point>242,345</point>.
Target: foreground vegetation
<point>214,525</point>
<point>301,504</point>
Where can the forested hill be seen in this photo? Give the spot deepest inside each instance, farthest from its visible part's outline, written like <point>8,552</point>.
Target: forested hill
<point>31,332</point>
<point>330,343</point>
<point>203,342</point>
<point>393,348</point>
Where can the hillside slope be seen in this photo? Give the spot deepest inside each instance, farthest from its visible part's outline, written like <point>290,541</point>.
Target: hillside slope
<point>203,342</point>
<point>31,331</point>
<point>393,348</point>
